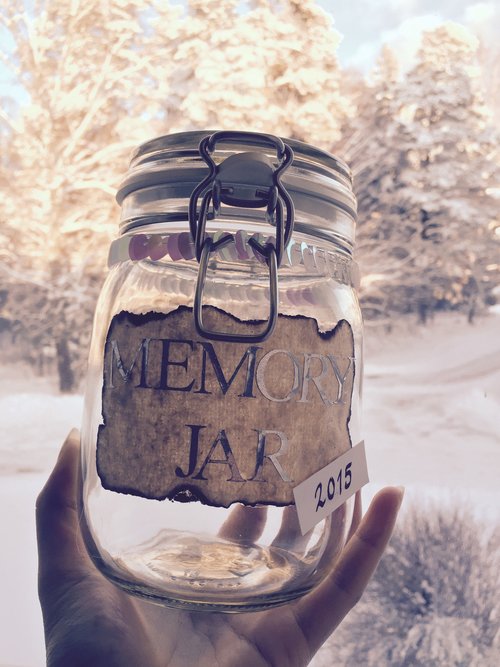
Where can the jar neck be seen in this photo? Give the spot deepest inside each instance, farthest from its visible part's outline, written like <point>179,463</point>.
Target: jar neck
<point>159,244</point>
<point>323,220</point>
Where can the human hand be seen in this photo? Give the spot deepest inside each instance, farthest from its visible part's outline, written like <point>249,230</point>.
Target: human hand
<point>89,622</point>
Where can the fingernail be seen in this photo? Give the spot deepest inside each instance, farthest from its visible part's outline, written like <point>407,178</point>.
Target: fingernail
<point>74,434</point>
<point>73,437</point>
<point>401,490</point>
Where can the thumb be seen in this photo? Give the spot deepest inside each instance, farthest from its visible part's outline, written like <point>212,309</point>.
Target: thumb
<point>61,552</point>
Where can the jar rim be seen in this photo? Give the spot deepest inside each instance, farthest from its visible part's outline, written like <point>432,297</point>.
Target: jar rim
<point>189,141</point>
<point>316,178</point>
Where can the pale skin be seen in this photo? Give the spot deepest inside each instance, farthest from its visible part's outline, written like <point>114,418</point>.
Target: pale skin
<point>91,623</point>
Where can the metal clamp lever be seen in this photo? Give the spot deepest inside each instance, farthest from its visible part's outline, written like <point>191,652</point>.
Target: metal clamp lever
<point>271,261</point>
<point>250,180</point>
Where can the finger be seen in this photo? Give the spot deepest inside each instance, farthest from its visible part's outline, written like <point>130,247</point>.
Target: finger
<point>244,524</point>
<point>289,536</point>
<point>320,612</point>
<point>356,515</point>
<point>61,551</point>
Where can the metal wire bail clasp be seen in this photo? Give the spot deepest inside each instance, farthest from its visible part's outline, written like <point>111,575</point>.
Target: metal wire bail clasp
<point>247,179</point>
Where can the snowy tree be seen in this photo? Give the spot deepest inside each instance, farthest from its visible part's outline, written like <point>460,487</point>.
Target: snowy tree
<point>456,163</point>
<point>84,69</point>
<point>85,74</point>
<point>372,146</point>
<point>434,599</point>
<point>424,160</point>
<point>267,66</point>
<point>101,78</point>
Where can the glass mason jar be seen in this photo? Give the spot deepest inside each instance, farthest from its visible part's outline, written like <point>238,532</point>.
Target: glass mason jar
<point>224,370</point>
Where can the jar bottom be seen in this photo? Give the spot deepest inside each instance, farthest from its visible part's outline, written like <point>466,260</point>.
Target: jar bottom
<point>199,573</point>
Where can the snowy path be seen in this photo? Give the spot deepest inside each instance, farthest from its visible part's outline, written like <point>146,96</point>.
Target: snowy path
<point>431,416</point>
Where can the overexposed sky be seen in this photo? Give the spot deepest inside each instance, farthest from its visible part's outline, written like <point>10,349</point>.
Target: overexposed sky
<point>367,24</point>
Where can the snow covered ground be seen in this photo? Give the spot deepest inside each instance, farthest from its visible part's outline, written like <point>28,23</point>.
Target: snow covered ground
<point>431,416</point>
<point>432,411</point>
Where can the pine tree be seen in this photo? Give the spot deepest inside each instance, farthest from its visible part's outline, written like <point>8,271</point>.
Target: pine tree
<point>451,166</point>
<point>371,145</point>
<point>424,161</point>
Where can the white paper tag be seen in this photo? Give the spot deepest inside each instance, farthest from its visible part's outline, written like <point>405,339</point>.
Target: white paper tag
<point>321,494</point>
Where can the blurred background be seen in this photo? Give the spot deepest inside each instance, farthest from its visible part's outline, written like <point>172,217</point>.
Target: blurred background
<point>408,93</point>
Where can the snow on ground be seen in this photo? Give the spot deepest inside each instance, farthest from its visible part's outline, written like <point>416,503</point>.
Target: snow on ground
<point>431,411</point>
<point>33,425</point>
<point>34,421</point>
<point>431,423</point>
